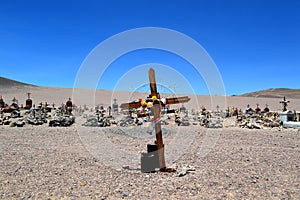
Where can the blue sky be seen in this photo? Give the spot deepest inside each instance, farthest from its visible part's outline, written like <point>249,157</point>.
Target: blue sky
<point>255,44</point>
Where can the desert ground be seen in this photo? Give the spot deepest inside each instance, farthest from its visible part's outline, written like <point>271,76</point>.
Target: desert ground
<point>76,162</point>
<point>105,97</point>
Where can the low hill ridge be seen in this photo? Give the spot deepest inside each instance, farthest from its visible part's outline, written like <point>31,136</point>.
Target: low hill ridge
<point>6,83</point>
<point>275,93</point>
<point>268,93</point>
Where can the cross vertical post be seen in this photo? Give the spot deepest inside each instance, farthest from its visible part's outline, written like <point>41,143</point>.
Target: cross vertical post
<point>157,115</point>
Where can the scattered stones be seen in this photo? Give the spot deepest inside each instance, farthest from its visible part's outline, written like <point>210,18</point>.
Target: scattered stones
<point>183,170</point>
<point>208,120</point>
<point>100,122</point>
<point>215,123</point>
<point>66,120</point>
<point>37,117</point>
<point>92,121</point>
<point>15,114</point>
<point>99,119</point>
<point>183,121</point>
<point>18,123</point>
<point>127,121</point>
<point>258,121</point>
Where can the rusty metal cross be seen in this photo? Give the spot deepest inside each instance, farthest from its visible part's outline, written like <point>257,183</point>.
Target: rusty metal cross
<point>156,111</point>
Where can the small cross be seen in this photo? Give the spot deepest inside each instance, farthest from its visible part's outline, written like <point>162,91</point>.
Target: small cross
<point>284,103</point>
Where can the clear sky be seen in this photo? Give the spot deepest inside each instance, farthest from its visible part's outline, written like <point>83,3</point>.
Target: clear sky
<point>254,43</point>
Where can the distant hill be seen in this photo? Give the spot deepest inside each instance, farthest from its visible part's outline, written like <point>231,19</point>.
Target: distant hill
<point>8,83</point>
<point>275,93</point>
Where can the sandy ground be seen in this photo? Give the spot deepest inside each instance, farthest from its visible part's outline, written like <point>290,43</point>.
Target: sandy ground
<point>46,162</point>
<point>41,162</point>
<point>104,97</point>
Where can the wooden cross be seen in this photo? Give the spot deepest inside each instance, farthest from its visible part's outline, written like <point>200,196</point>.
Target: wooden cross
<point>156,109</point>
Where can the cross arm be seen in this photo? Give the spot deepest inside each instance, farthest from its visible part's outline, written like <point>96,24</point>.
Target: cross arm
<point>130,105</point>
<point>177,100</point>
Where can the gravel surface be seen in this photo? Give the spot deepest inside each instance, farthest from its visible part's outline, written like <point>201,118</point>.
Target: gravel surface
<point>41,162</point>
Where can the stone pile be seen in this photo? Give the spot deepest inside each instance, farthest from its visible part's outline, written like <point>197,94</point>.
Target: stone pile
<point>130,121</point>
<point>215,123</point>
<point>210,122</point>
<point>208,119</point>
<point>99,119</point>
<point>12,119</point>
<point>258,121</point>
<point>94,121</point>
<point>17,123</point>
<point>60,119</point>
<point>37,117</point>
<point>15,114</point>
<point>11,115</point>
<point>182,170</point>
<point>182,120</point>
<point>65,120</point>
<point>12,122</point>
<point>91,121</point>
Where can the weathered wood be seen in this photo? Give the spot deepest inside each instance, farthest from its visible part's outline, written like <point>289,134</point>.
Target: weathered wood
<point>158,104</point>
<point>130,105</point>
<point>153,83</point>
<point>177,100</point>
<point>159,139</point>
<point>156,115</point>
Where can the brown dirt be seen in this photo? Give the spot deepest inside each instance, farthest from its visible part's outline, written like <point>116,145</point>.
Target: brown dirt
<point>44,162</point>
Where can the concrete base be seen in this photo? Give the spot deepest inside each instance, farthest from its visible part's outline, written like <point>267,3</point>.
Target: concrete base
<point>291,124</point>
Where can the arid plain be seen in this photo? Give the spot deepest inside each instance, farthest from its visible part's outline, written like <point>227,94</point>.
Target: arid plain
<point>42,162</point>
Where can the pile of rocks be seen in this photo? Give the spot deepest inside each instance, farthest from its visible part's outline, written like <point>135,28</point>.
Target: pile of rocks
<point>250,124</point>
<point>258,121</point>
<point>91,121</point>
<point>182,120</point>
<point>4,120</point>
<point>208,119</point>
<point>98,121</point>
<point>17,123</point>
<point>37,117</point>
<point>12,119</point>
<point>15,114</point>
<point>215,123</point>
<point>130,121</point>
<point>60,119</point>
<point>183,170</point>
<point>210,122</point>
<point>66,120</point>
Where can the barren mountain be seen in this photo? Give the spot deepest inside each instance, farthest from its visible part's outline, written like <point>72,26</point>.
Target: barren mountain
<point>10,89</point>
<point>8,83</point>
<point>275,93</point>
